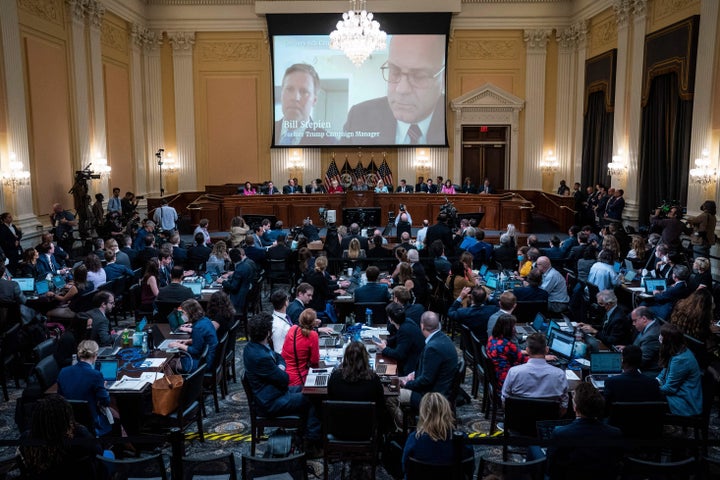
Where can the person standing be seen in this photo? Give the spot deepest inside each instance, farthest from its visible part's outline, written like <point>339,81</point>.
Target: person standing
<point>166,218</point>
<point>64,223</point>
<point>10,236</point>
<point>704,229</point>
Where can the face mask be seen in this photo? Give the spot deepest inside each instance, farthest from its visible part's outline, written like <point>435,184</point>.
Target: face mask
<point>520,258</point>
<point>664,259</point>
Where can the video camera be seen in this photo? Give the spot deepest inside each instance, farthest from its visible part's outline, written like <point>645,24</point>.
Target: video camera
<point>86,174</point>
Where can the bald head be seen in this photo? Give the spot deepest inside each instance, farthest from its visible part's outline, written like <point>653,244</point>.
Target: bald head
<point>543,264</point>
<point>429,323</point>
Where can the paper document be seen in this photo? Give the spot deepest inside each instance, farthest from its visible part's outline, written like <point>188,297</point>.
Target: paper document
<point>133,383</point>
<point>153,362</point>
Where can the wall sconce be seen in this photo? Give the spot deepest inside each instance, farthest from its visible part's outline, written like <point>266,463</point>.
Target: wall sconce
<point>102,168</point>
<point>296,160</point>
<point>618,166</point>
<point>422,158</point>
<point>169,164</point>
<point>549,164</point>
<point>16,176</point>
<point>702,174</point>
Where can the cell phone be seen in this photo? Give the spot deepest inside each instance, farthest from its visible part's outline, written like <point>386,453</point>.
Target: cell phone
<point>376,339</point>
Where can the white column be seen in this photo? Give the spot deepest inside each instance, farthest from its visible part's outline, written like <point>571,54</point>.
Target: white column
<point>622,11</point>
<point>78,56</point>
<point>153,109</point>
<point>579,115</point>
<point>17,134</point>
<point>281,167</point>
<point>536,53</point>
<point>138,37</point>
<point>182,45</point>
<point>566,87</point>
<point>406,166</point>
<point>635,72</point>
<point>703,95</point>
<point>96,11</point>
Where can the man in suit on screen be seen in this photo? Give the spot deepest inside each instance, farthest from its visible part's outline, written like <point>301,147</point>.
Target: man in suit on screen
<point>413,112</point>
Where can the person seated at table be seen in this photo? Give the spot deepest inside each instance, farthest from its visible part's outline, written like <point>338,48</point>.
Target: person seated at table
<point>701,274</point>
<point>265,371</point>
<point>82,382</point>
<point>47,448</point>
<point>413,311</point>
<point>380,187</point>
<point>315,186</point>
<point>175,291</point>
<point>406,345</point>
<point>680,378</point>
<point>353,254</point>
<point>301,349</point>
<point>502,347</point>
<point>28,266</point>
<point>663,301</point>
<point>476,316</point>
<point>99,323</point>
<point>584,264</point>
<point>96,274</point>
<point>616,328</point>
<point>372,291</point>
<point>448,188</point>
<point>248,189</point>
<point>406,278</point>
<point>432,441</point>
<point>203,333</point>
<point>531,291</point>
<point>69,297</point>
<point>456,281</point>
<point>46,262</point>
<point>218,260</point>
<point>631,385</point>
<point>149,285</point>
<point>325,288</point>
<point>355,381</point>
<point>113,269</point>
<point>221,312</point>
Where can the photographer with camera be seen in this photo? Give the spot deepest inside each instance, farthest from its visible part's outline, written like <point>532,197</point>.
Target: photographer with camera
<point>63,223</point>
<point>671,226</point>
<point>403,216</point>
<point>703,229</point>
<point>310,231</point>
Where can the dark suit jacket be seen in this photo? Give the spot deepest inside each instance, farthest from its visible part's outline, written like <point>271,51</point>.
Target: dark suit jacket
<point>506,256</point>
<point>421,187</point>
<point>320,189</point>
<point>10,292</point>
<point>174,292</point>
<point>405,189</point>
<point>256,254</point>
<point>45,266</point>
<point>407,347</point>
<point>631,386</point>
<point>530,294</point>
<point>650,346</point>
<point>602,461</point>
<point>239,284</point>
<point>294,309</point>
<point>287,189</point>
<point>436,370</point>
<point>665,301</point>
<point>376,116</point>
<point>278,252</point>
<point>475,317</point>
<point>116,270</point>
<point>82,382</point>
<point>346,242</point>
<point>197,255</point>
<point>616,330</point>
<point>100,328</point>
<point>441,231</point>
<point>311,136</point>
<point>372,292</point>
<point>8,241</point>
<point>268,381</point>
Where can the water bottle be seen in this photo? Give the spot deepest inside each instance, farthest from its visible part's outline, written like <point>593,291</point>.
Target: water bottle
<point>74,359</point>
<point>149,339</point>
<point>144,343</point>
<point>368,317</point>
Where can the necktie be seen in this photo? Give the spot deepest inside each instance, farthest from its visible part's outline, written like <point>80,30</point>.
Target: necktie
<point>287,319</point>
<point>414,133</point>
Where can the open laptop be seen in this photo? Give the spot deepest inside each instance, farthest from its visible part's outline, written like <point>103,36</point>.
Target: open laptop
<point>196,287</point>
<point>385,369</point>
<point>652,284</point>
<point>112,350</point>
<point>562,344</point>
<point>616,266</point>
<point>525,330</point>
<point>630,276</point>
<point>109,370</point>
<point>483,270</point>
<point>42,287</point>
<point>604,365</point>
<point>58,281</point>
<point>491,282</point>
<point>27,285</point>
<point>330,341</point>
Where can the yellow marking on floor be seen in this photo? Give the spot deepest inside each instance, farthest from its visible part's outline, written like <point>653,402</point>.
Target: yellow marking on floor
<point>483,434</point>
<point>221,437</point>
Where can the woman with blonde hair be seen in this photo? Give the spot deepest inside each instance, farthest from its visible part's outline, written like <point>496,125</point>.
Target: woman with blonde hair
<point>218,260</point>
<point>301,349</point>
<point>611,243</point>
<point>638,248</point>
<point>432,441</point>
<point>354,251</point>
<point>324,285</point>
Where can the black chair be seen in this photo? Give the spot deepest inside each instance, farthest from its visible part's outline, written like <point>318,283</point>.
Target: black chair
<point>532,470</point>
<point>85,302</point>
<point>258,422</point>
<point>378,312</point>
<point>148,467</point>
<point>163,310</point>
<point>9,464</point>
<point>44,348</point>
<point>641,420</point>
<point>417,470</point>
<point>456,390</point>
<point>255,467</point>
<point>521,415</point>
<point>82,414</point>
<point>493,389</point>
<point>215,374</point>
<point>525,312</point>
<point>46,372</point>
<point>217,467</point>
<point>138,309</point>
<point>278,272</point>
<point>229,361</point>
<point>468,351</point>
<point>349,433</point>
<point>698,423</point>
<point>680,470</point>
<point>481,368</point>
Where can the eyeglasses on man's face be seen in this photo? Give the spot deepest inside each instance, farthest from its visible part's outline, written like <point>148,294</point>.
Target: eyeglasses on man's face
<point>416,78</point>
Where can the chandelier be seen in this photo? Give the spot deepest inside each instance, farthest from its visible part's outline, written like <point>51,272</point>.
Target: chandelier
<point>102,167</point>
<point>550,163</point>
<point>617,167</point>
<point>702,174</point>
<point>16,176</point>
<point>357,34</point>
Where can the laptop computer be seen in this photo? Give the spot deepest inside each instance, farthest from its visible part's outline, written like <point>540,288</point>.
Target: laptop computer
<point>58,281</point>
<point>483,270</point>
<point>109,370</point>
<point>330,341</point>
<point>630,276</point>
<point>629,265</point>
<point>112,350</point>
<point>491,282</point>
<point>196,287</point>
<point>561,344</point>
<point>652,284</point>
<point>604,365</point>
<point>616,266</point>
<point>27,285</point>
<point>317,377</point>
<point>385,369</point>
<point>525,330</point>
<point>42,287</point>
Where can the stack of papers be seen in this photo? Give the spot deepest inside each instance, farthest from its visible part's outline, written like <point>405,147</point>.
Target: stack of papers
<point>369,332</point>
<point>153,362</point>
<point>133,383</point>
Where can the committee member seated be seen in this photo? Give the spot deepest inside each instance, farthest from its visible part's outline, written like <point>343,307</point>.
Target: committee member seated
<point>404,187</point>
<point>315,186</point>
<point>413,112</point>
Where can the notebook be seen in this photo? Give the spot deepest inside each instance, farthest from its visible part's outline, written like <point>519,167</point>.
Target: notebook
<point>27,285</point>
<point>317,377</point>
<point>562,344</point>
<point>604,365</point>
<point>42,287</point>
<point>109,370</point>
<point>652,284</point>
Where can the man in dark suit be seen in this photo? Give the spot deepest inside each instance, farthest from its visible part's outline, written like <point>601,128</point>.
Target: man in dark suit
<point>10,290</point>
<point>631,385</point>
<point>280,251</point>
<point>100,331</point>
<point>303,296</point>
<point>578,453</point>
<point>315,186</point>
<point>441,231</point>
<point>113,269</point>
<point>616,329</point>
<point>298,96</point>
<point>486,188</point>
<point>421,187</point>
<point>198,254</point>
<point>265,372</point>
<point>615,206</point>
<point>404,187</point>
<point>10,236</point>
<point>643,319</point>
<point>407,344</point>
<point>243,278</point>
<point>292,187</point>
<point>666,300</point>
<point>413,112</point>
<point>254,253</point>
<point>372,291</point>
<point>437,367</point>
<point>175,291</point>
<point>475,316</point>
<point>531,292</point>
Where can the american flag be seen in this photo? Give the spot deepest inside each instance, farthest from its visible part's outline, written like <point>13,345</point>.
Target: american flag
<point>346,168</point>
<point>359,172</point>
<point>332,174</point>
<point>385,173</point>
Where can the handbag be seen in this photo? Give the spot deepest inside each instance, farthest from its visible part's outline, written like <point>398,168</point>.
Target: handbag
<point>166,394</point>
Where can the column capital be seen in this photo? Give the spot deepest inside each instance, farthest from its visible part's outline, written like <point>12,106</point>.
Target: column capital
<point>566,38</point>
<point>181,41</point>
<point>622,12</point>
<point>639,8</point>
<point>96,12</point>
<point>580,32</point>
<point>77,9</point>
<point>537,39</point>
<point>143,37</point>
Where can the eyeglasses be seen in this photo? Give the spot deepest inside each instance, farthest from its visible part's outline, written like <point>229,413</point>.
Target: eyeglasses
<point>416,78</point>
